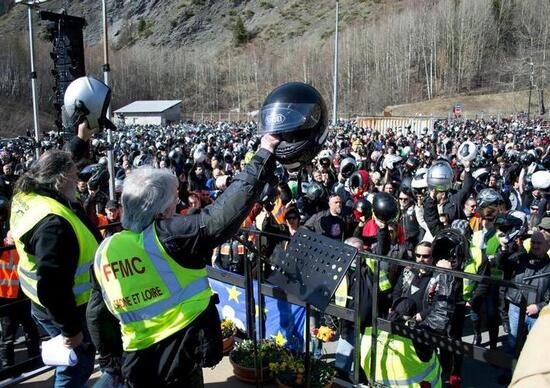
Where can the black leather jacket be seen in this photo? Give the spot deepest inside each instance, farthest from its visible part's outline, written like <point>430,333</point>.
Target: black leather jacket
<point>189,240</point>
<point>453,207</point>
<point>523,265</point>
<point>443,306</point>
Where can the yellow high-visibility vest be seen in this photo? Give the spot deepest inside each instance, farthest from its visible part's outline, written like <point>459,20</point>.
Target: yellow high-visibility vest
<point>341,294</point>
<point>472,266</point>
<point>490,250</point>
<point>151,294</point>
<point>397,364</point>
<point>27,210</point>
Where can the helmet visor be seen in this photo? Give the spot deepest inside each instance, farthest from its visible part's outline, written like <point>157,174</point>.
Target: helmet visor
<point>287,117</point>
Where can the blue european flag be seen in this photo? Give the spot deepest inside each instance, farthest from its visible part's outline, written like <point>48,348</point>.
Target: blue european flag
<point>284,322</point>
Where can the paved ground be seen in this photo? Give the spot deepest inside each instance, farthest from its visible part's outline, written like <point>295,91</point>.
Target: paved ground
<point>475,373</point>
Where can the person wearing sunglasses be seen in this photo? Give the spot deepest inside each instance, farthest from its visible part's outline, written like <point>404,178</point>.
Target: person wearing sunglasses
<point>414,283</point>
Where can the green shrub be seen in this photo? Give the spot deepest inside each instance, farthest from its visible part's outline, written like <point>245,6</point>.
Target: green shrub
<point>266,5</point>
<point>240,33</point>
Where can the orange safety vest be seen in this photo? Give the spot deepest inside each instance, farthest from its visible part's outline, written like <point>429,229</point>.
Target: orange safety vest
<point>279,212</point>
<point>102,220</point>
<point>9,280</point>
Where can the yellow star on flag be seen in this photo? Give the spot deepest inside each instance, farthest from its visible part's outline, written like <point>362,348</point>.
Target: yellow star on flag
<point>233,293</point>
<point>279,338</point>
<point>257,308</point>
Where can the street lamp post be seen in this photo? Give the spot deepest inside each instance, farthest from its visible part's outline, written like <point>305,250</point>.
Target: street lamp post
<point>30,4</point>
<point>530,89</point>
<point>335,85</point>
<point>106,69</point>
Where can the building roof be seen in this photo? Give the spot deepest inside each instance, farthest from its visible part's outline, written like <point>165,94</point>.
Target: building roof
<point>151,106</point>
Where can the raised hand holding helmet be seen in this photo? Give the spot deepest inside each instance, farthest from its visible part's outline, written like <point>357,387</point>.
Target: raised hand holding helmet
<point>296,113</point>
<point>86,99</point>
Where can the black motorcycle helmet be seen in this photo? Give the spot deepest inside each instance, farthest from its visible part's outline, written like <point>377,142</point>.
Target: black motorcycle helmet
<point>363,207</point>
<point>385,207</point>
<point>297,113</point>
<point>316,192</point>
<point>450,244</point>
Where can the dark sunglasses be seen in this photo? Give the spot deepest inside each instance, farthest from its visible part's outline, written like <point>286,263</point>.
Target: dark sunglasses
<point>404,199</point>
<point>418,255</point>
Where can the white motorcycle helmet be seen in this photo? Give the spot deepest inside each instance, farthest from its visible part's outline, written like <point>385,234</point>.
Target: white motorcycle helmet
<point>440,176</point>
<point>541,180</point>
<point>199,155</point>
<point>420,180</point>
<point>87,98</point>
<point>467,151</point>
<point>390,161</point>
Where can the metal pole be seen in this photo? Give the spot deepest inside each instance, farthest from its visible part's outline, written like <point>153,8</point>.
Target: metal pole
<point>260,328</point>
<point>106,69</point>
<point>259,276</point>
<point>374,334</point>
<point>307,355</point>
<point>335,85</point>
<point>530,90</point>
<point>357,333</point>
<point>33,83</point>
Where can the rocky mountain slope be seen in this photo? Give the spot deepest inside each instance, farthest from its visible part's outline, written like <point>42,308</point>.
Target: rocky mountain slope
<point>204,25</point>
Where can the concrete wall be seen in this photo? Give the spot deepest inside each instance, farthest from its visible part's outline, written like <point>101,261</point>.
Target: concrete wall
<point>168,116</point>
<point>381,124</point>
<point>173,114</point>
<point>143,119</point>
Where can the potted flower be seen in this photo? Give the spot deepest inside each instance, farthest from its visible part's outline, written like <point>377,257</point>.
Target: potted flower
<point>290,372</point>
<point>242,359</point>
<point>228,334</point>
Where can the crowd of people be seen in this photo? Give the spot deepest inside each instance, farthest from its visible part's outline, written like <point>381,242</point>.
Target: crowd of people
<point>468,195</point>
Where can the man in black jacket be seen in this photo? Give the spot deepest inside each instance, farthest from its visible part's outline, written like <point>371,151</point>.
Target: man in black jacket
<point>329,223</point>
<point>524,265</point>
<point>450,204</point>
<point>54,244</point>
<point>177,359</point>
<point>417,284</point>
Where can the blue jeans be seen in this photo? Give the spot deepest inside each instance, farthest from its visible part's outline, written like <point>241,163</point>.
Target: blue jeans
<point>70,376</point>
<point>109,380</point>
<point>345,352</point>
<point>513,316</point>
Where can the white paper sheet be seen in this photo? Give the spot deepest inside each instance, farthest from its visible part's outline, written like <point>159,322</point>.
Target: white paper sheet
<point>56,354</point>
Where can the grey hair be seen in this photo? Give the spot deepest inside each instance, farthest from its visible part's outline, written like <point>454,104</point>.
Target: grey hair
<point>354,241</point>
<point>147,192</point>
<point>50,171</point>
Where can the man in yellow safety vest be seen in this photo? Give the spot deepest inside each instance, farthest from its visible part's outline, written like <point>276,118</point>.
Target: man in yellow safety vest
<point>152,276</point>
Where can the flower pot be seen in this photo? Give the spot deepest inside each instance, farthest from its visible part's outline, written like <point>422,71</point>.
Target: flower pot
<point>249,374</point>
<point>228,344</point>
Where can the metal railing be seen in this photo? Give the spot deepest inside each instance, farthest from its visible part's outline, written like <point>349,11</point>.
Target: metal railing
<point>494,357</point>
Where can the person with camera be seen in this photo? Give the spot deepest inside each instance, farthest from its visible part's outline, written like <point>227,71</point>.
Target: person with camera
<point>55,239</point>
<point>513,259</point>
<point>523,265</point>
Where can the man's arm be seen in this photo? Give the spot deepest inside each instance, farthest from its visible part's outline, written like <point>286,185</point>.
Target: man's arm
<point>431,215</point>
<point>189,239</point>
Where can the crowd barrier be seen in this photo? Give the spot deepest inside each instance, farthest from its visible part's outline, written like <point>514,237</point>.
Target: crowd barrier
<point>32,367</point>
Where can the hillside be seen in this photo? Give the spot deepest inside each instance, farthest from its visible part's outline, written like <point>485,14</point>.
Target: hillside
<point>218,56</point>
<point>204,25</point>
<point>479,105</point>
